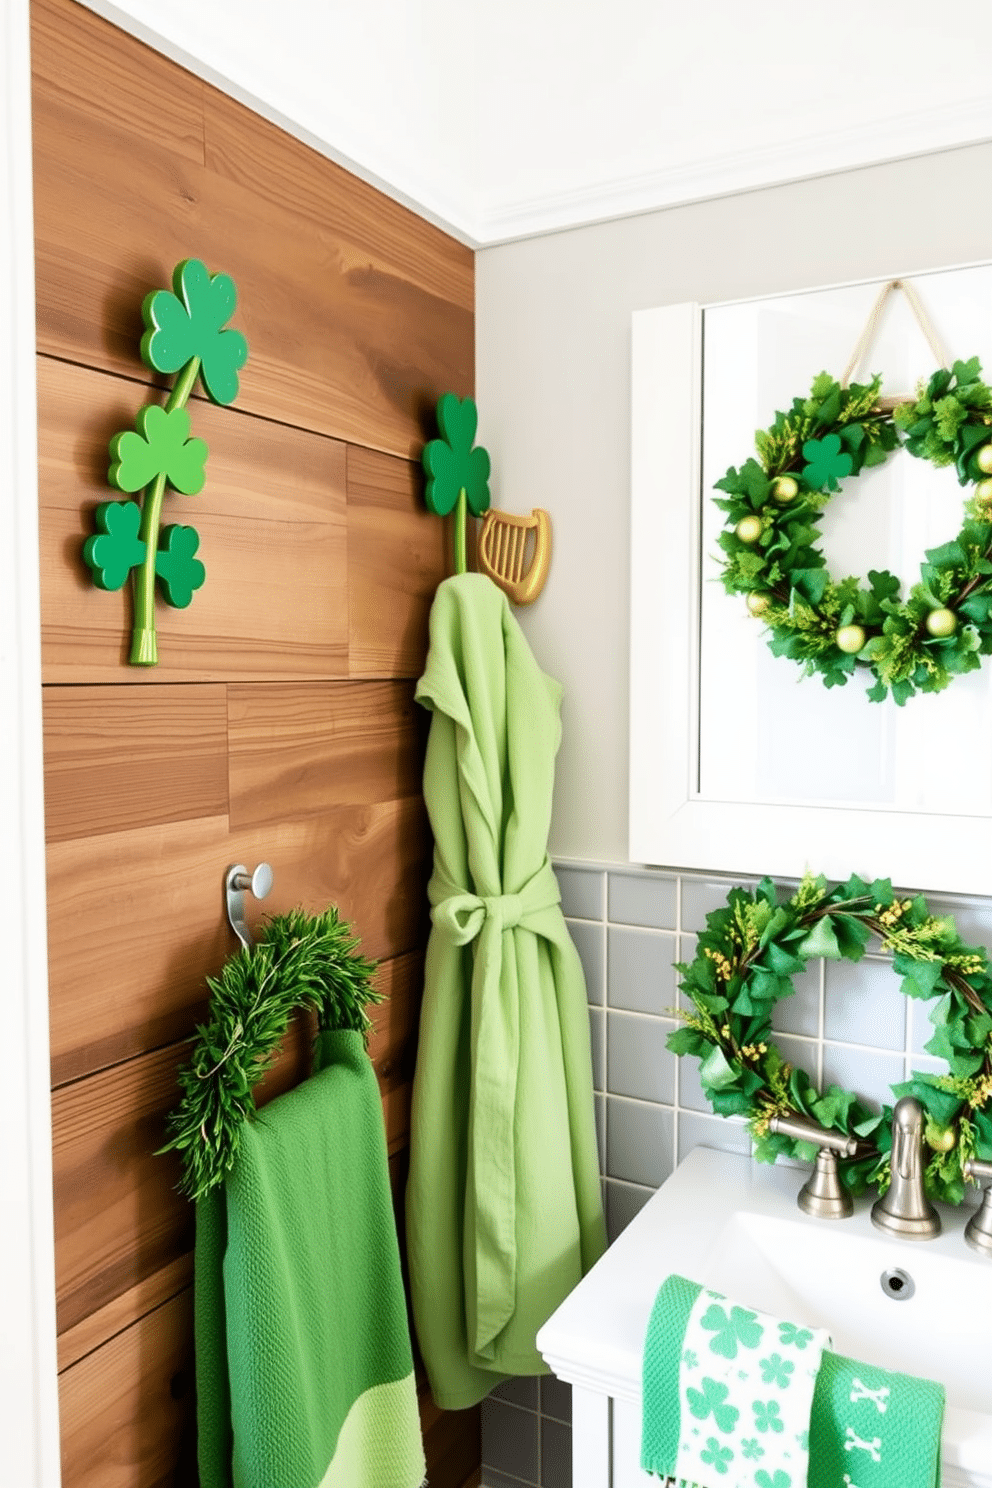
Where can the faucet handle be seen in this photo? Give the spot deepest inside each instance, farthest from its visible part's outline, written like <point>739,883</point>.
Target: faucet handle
<point>803,1130</point>
<point>823,1195</point>
<point>978,1231</point>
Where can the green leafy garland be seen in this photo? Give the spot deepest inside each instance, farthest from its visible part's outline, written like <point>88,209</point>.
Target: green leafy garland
<point>774,505</point>
<point>747,957</point>
<point>300,960</point>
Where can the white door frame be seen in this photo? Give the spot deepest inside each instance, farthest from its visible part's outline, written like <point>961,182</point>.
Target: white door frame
<point>29,1427</point>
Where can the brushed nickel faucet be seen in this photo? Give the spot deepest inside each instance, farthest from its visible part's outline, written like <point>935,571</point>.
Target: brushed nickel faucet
<point>904,1208</point>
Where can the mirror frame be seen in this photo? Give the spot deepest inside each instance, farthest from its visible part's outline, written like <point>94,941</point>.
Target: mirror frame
<point>670,823</point>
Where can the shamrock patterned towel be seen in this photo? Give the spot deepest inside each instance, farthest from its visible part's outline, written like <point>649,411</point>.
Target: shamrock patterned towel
<point>728,1392</point>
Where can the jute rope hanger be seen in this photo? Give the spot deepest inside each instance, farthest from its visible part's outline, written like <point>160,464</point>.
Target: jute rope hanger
<point>890,401</point>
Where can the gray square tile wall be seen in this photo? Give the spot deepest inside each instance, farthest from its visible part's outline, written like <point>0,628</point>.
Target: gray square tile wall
<point>845,1023</point>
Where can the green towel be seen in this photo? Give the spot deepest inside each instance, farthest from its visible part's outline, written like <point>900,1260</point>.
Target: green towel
<point>303,1363</point>
<point>504,1211</point>
<point>728,1391</point>
<point>868,1427</point>
<point>874,1428</point>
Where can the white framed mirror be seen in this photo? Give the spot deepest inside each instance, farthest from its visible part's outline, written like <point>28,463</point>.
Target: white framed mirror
<point>737,761</point>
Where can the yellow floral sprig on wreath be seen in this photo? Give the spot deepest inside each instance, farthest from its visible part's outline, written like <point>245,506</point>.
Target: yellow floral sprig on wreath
<point>746,961</point>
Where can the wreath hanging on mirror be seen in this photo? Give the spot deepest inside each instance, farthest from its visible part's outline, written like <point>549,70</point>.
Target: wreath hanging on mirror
<point>774,504</point>
<point>746,961</point>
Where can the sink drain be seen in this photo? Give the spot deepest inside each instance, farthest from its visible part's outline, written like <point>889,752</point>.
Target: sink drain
<point>897,1284</point>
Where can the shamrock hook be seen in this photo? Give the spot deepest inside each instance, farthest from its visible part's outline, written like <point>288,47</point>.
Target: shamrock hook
<point>458,475</point>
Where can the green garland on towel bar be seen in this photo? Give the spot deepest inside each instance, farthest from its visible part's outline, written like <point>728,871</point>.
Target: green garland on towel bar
<point>299,961</point>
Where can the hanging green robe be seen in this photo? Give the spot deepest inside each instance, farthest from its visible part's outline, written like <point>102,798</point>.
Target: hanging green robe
<point>504,1208</point>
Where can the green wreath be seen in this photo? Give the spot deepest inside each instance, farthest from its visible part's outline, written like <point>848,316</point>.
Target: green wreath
<point>774,504</point>
<point>299,961</point>
<point>747,957</point>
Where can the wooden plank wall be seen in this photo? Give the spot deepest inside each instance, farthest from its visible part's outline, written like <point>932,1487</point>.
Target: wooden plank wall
<point>280,722</point>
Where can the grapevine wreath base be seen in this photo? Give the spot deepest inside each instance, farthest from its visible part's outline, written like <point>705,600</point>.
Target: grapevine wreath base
<point>747,958</point>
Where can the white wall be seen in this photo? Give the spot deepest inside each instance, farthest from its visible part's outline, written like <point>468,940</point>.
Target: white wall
<point>28,1391</point>
<point>553,388</point>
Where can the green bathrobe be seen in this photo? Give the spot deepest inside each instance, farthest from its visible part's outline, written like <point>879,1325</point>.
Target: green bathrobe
<point>504,1211</point>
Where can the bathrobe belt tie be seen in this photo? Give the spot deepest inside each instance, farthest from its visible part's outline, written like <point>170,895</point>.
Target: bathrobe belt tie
<point>493,922</point>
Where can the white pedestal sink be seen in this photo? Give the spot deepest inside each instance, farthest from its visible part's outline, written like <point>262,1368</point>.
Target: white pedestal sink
<point>734,1225</point>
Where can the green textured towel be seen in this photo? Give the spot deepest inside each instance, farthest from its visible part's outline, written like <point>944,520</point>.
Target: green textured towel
<point>303,1364</point>
<point>874,1428</point>
<point>504,1212</point>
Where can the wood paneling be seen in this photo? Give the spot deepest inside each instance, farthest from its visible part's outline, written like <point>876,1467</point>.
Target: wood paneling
<point>118,1216</point>
<point>398,553</point>
<point>126,1410</point>
<point>272,522</point>
<point>343,340</point>
<point>123,1310</point>
<point>279,724</point>
<point>137,918</point>
<point>151,99</point>
<point>382,234</point>
<point>297,749</point>
<point>173,765</point>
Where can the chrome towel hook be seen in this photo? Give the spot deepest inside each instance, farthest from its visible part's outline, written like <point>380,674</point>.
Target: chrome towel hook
<point>237,882</point>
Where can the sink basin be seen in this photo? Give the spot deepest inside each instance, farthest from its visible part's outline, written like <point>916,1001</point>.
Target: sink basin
<point>831,1276</point>
<point>734,1225</point>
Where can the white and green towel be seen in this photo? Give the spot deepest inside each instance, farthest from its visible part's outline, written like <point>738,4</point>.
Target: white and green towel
<point>728,1391</point>
<point>734,1398</point>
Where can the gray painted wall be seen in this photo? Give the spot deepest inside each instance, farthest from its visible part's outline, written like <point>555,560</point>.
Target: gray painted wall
<point>553,388</point>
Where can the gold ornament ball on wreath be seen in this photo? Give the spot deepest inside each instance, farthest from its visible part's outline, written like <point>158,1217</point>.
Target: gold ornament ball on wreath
<point>757,604</point>
<point>850,639</point>
<point>748,529</point>
<point>785,489</point>
<point>984,459</point>
<point>942,623</point>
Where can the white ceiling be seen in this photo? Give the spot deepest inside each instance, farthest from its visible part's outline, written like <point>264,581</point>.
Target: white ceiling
<point>515,117</point>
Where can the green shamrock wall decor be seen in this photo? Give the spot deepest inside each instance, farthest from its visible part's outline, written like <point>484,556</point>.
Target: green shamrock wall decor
<point>457,474</point>
<point>185,334</point>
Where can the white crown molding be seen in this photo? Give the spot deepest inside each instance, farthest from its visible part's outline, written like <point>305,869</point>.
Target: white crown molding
<point>368,147</point>
<point>726,173</point>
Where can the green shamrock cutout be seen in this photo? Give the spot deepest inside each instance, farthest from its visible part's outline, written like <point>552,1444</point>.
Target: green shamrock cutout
<point>117,548</point>
<point>185,334</point>
<point>827,464</point>
<point>776,1371</point>
<point>189,322</point>
<point>752,1449</point>
<point>712,1397</point>
<point>180,572</point>
<point>716,1455</point>
<point>740,1327</point>
<point>452,465</point>
<point>766,1480</point>
<point>161,446</point>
